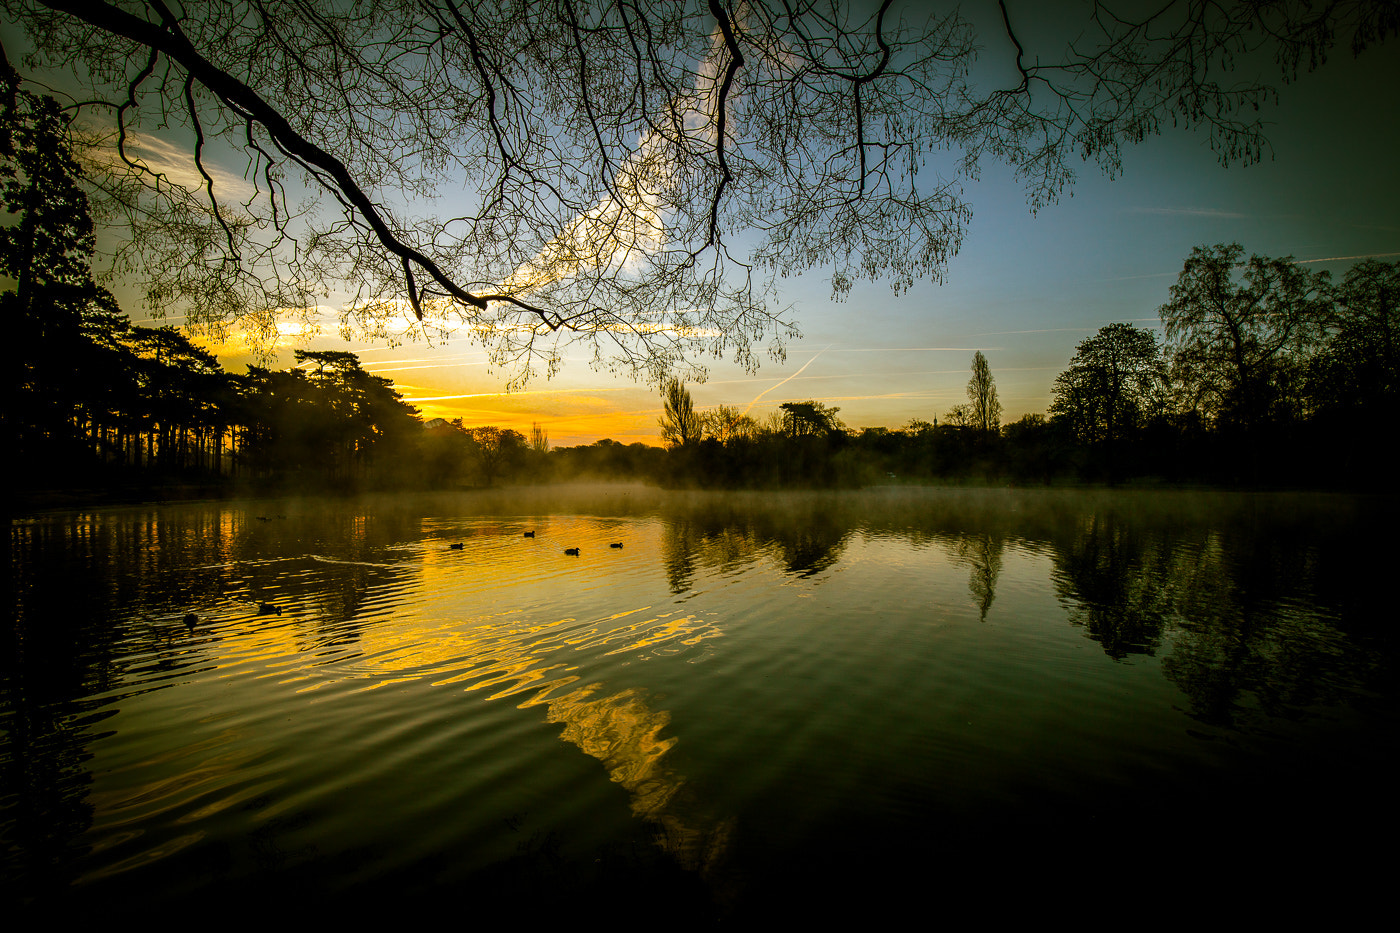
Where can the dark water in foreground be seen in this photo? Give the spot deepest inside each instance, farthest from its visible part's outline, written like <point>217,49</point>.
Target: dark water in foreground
<point>758,706</point>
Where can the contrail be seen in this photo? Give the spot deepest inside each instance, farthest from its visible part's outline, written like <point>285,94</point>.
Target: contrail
<point>788,379</point>
<point>1345,258</point>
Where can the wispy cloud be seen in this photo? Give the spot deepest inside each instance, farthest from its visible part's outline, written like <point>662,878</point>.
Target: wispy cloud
<point>571,393</point>
<point>174,161</point>
<point>914,349</point>
<point>627,223</point>
<point>1047,330</point>
<point>1213,212</point>
<point>873,375</point>
<point>1145,275</point>
<point>1347,258</point>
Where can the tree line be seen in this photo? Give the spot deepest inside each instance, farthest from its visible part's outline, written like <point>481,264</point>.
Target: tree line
<point>1267,374</point>
<point>93,400</point>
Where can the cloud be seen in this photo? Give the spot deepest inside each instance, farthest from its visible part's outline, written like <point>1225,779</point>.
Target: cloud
<point>1346,258</point>
<point>1213,212</point>
<point>1146,275</point>
<point>627,223</point>
<point>920,349</point>
<point>175,162</point>
<point>504,396</point>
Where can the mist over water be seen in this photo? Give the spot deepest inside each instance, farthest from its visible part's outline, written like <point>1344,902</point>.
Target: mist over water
<point>759,705</point>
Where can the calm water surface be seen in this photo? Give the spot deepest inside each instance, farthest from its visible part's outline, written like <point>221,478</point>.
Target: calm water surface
<point>757,706</point>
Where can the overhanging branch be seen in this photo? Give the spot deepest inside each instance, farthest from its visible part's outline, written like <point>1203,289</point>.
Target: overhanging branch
<point>247,103</point>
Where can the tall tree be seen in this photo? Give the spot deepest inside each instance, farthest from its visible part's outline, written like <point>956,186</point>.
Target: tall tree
<point>180,385</point>
<point>616,155</point>
<point>985,409</point>
<point>681,424</point>
<point>54,311</point>
<point>1360,366</point>
<point>1115,380</point>
<point>539,438</point>
<point>1236,330</point>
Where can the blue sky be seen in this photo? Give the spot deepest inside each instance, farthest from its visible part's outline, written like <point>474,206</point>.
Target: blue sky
<point>1024,289</point>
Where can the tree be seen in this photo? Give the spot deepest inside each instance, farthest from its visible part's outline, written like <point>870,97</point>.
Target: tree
<point>1359,367</point>
<point>810,419</point>
<point>444,452</point>
<point>960,416</point>
<point>1235,331</point>
<point>1114,381</point>
<point>984,411</point>
<point>726,423</point>
<point>497,450</point>
<point>614,155</point>
<point>326,420</point>
<point>61,327</point>
<point>539,438</point>
<point>1353,382</point>
<point>179,386</point>
<point>681,425</point>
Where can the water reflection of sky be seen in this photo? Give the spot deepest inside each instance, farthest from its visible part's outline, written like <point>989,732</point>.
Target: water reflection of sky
<point>743,676</point>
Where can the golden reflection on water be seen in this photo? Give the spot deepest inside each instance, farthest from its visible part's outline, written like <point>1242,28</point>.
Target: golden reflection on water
<point>624,733</point>
<point>621,729</point>
<point>195,756</point>
<point>475,622</point>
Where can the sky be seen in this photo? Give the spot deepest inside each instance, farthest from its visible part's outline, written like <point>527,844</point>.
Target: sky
<point>1025,290</point>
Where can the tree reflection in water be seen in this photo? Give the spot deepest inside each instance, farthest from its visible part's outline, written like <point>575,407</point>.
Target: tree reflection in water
<point>1251,606</point>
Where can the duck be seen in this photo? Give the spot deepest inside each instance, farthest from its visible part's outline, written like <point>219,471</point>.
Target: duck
<point>571,551</point>
<point>616,544</point>
<point>529,534</point>
<point>454,547</point>
<point>267,609</point>
<point>191,620</point>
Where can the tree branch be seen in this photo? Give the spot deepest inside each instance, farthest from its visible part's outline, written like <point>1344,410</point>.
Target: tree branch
<point>172,43</point>
<point>736,61</point>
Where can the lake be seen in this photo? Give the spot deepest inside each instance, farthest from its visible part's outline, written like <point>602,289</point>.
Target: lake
<point>760,706</point>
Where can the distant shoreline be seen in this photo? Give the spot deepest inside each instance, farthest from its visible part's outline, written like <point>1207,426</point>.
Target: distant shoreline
<point>61,500</point>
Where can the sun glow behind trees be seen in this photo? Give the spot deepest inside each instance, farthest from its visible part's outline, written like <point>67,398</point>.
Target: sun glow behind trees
<point>636,177</point>
<point>1066,303</point>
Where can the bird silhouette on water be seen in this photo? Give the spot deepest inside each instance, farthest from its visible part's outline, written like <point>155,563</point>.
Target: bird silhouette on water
<point>454,547</point>
<point>571,551</point>
<point>267,609</point>
<point>616,544</point>
<point>528,534</point>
